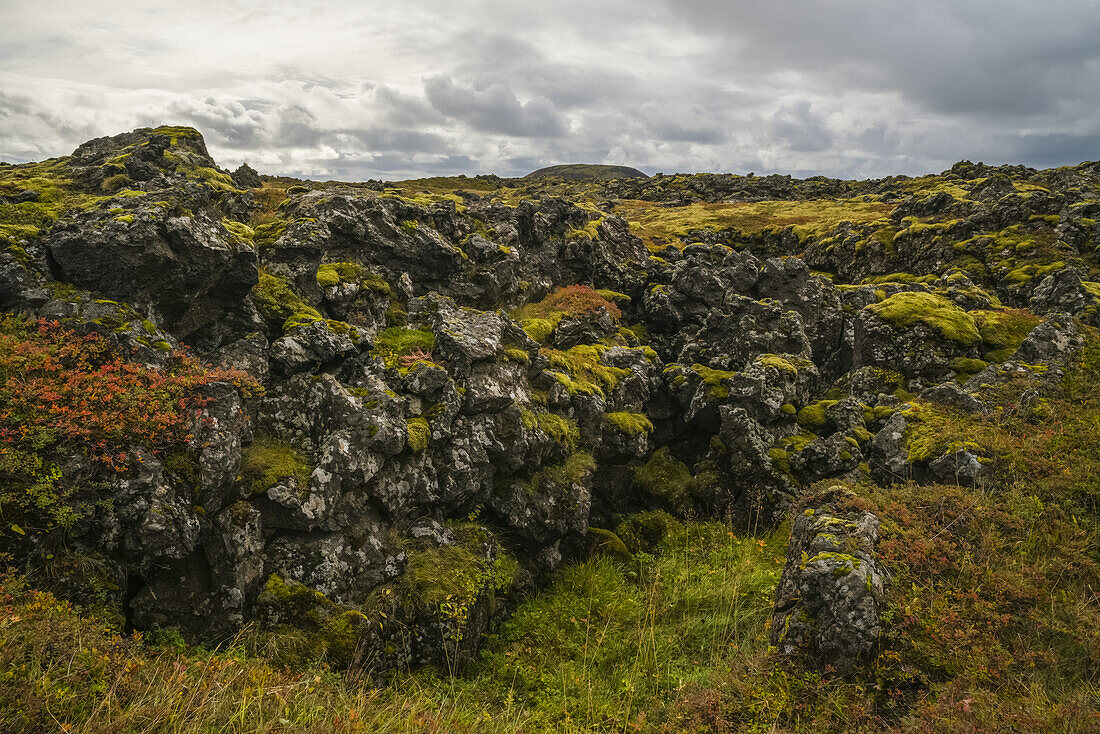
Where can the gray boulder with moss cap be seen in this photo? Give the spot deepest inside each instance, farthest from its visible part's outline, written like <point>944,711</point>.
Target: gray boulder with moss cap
<point>830,597</point>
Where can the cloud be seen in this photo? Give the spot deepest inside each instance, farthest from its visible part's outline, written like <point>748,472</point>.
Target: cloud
<point>356,89</point>
<point>492,107</point>
<point>797,127</point>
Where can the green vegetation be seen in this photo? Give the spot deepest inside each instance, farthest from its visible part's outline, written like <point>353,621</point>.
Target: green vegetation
<point>813,416</point>
<point>665,477</point>
<point>419,433</point>
<point>278,303</point>
<point>581,369</point>
<point>55,192</point>
<point>269,460</point>
<point>715,380</point>
<point>331,274</point>
<point>402,348</point>
<point>903,310</point>
<point>311,629</point>
<point>610,640</point>
<point>451,578</point>
<point>658,225</point>
<point>563,430</point>
<point>631,424</point>
<point>1004,331</point>
<point>573,470</point>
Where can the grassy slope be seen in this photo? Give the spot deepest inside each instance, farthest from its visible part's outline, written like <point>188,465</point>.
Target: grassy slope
<point>601,649</point>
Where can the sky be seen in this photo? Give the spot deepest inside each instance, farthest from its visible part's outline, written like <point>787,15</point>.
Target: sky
<point>364,89</point>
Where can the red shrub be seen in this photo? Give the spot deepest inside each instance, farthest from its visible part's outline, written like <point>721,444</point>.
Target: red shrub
<point>63,393</point>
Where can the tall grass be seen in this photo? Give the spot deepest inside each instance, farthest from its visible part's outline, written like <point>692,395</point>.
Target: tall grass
<point>602,649</point>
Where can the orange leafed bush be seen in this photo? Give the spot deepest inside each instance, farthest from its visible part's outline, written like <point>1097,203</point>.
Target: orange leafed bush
<point>64,392</point>
<point>572,300</point>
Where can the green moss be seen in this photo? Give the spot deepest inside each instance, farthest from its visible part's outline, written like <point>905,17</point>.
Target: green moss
<point>967,366</point>
<point>563,430</point>
<point>269,460</point>
<point>419,433</point>
<point>631,424</point>
<point>585,371</point>
<point>813,415</point>
<point>605,541</point>
<point>613,296</point>
<point>666,477</point>
<point>715,380</point>
<point>278,303</point>
<point>1003,332</point>
<point>396,315</point>
<point>327,276</point>
<point>903,310</point>
<point>589,230</point>
<point>514,354</point>
<point>779,363</point>
<point>313,628</point>
<point>265,235</point>
<point>57,195</point>
<point>332,274</point>
<point>242,232</point>
<point>573,470</point>
<point>781,459</point>
<point>788,409</point>
<point>450,579</point>
<point>538,329</point>
<point>1032,271</point>
<point>396,342</point>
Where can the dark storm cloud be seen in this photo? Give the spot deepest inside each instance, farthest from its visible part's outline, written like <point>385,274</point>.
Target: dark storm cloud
<point>683,125</point>
<point>490,106</point>
<point>978,56</point>
<point>1052,149</point>
<point>365,89</point>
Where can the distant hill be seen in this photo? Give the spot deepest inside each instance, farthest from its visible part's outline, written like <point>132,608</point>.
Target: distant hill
<point>583,171</point>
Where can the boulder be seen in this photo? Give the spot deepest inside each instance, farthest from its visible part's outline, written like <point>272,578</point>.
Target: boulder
<point>829,600</point>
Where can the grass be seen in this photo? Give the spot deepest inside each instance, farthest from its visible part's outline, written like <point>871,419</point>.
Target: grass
<point>603,648</point>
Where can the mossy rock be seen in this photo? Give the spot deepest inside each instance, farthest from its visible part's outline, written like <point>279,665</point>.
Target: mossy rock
<point>278,303</point>
<point>814,416</point>
<point>605,541</point>
<point>576,467</point>
<point>419,432</point>
<point>644,531</point>
<point>667,478</point>
<point>307,628</point>
<point>396,343</point>
<point>563,430</point>
<point>630,424</point>
<point>906,309</point>
<point>269,460</point>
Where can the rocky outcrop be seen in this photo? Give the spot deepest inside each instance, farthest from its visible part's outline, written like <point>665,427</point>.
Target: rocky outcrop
<point>830,598</point>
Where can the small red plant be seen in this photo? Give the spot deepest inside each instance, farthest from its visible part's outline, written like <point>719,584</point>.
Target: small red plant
<point>417,355</point>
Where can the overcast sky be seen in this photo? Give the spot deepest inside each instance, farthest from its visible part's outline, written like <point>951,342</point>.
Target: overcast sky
<point>364,89</point>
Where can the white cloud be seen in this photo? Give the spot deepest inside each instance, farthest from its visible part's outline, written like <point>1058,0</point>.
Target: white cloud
<point>362,89</point>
